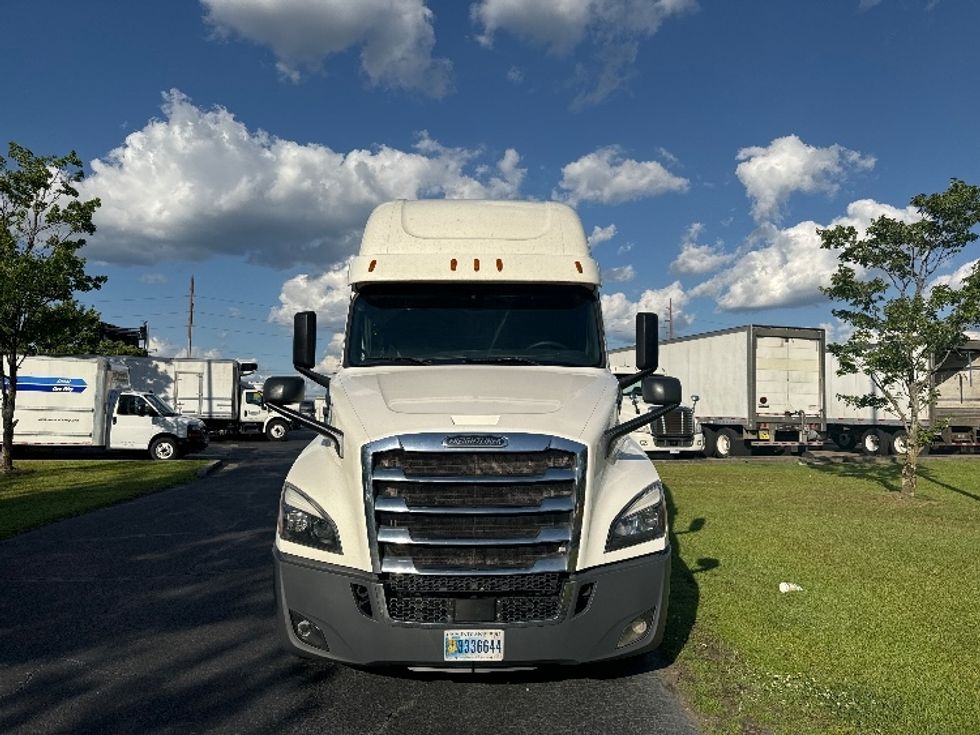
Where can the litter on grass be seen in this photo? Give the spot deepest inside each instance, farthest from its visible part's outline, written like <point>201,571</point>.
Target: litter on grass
<point>789,587</point>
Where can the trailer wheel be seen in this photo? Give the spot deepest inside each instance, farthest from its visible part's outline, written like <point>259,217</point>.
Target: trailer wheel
<point>163,448</point>
<point>900,444</point>
<point>875,443</point>
<point>845,441</point>
<point>276,430</point>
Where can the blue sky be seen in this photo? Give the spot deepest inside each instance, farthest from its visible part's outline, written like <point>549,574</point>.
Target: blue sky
<point>703,143</point>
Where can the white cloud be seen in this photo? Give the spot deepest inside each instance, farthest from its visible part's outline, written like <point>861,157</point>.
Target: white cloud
<point>160,347</point>
<point>329,296</point>
<point>515,75</point>
<point>613,30</point>
<point>396,37</point>
<point>695,259</point>
<point>955,279</point>
<point>199,183</point>
<point>865,5</point>
<point>623,249</point>
<point>153,279</point>
<point>619,313</point>
<point>791,266</point>
<point>772,173</point>
<point>606,176</point>
<point>619,275</point>
<point>601,234</point>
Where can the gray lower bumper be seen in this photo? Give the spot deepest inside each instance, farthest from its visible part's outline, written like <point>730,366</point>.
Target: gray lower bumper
<point>322,594</point>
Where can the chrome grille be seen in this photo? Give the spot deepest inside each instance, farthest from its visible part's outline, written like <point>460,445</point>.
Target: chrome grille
<point>676,424</point>
<point>462,515</point>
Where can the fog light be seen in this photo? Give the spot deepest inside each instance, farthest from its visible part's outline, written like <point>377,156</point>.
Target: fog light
<point>636,630</point>
<point>308,632</point>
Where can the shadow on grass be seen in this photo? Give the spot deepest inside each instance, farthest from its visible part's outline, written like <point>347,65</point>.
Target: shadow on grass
<point>685,595</point>
<point>927,474</point>
<point>886,474</point>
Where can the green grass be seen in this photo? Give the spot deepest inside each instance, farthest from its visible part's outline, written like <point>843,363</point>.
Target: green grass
<point>41,491</point>
<point>885,636</point>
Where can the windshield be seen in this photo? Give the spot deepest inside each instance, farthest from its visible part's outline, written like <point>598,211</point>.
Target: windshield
<point>520,324</point>
<point>161,408</point>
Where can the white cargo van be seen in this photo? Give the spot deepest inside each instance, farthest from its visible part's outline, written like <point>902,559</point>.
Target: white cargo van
<point>477,502</point>
<point>87,402</point>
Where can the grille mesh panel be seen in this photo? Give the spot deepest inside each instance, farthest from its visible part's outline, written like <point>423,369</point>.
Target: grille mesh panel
<point>678,423</point>
<point>451,585</point>
<point>437,495</point>
<point>474,557</point>
<point>435,464</point>
<point>472,527</point>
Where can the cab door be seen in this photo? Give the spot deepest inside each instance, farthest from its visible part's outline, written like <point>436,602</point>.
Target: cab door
<point>253,408</point>
<point>132,423</point>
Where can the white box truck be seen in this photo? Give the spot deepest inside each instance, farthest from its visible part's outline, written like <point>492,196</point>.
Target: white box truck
<point>476,502</point>
<point>760,387</point>
<point>677,432</point>
<point>88,402</point>
<point>213,390</point>
<point>880,431</point>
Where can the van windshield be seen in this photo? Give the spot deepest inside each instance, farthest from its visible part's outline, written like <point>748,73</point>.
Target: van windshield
<point>161,408</point>
<point>494,324</point>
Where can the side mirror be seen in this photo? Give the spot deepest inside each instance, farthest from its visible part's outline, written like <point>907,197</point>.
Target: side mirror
<point>647,341</point>
<point>304,340</point>
<point>661,390</point>
<point>283,389</point>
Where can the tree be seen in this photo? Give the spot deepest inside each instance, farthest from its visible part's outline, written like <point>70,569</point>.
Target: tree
<point>905,321</point>
<point>42,224</point>
<point>69,328</point>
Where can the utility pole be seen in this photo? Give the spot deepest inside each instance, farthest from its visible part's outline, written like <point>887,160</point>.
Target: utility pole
<point>670,318</point>
<point>190,320</point>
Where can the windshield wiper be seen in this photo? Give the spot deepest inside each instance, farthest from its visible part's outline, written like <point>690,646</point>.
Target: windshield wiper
<point>400,360</point>
<point>495,360</point>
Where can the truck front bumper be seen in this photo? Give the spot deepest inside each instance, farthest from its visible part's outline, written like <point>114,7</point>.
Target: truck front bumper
<point>324,595</point>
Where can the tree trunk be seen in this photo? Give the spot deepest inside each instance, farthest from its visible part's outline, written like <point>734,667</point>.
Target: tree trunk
<point>9,403</point>
<point>910,469</point>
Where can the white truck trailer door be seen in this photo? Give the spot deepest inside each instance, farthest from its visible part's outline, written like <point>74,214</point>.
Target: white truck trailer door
<point>187,397</point>
<point>787,376</point>
<point>131,426</point>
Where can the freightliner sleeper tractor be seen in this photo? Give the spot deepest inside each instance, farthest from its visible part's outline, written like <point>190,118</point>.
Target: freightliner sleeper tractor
<point>473,501</point>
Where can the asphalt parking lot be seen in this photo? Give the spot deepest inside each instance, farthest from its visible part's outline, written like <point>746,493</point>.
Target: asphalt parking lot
<point>156,616</point>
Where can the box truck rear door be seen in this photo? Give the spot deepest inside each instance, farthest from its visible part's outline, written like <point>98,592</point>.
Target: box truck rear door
<point>787,376</point>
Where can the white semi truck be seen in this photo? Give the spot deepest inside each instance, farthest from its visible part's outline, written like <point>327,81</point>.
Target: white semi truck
<point>476,502</point>
<point>213,390</point>
<point>675,433</point>
<point>88,402</point>
<point>880,431</point>
<point>760,387</point>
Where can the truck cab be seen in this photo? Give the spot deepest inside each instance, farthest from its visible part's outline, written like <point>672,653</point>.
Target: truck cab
<point>143,421</point>
<point>476,501</point>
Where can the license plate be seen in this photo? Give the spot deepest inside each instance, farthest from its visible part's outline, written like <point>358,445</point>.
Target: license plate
<point>473,645</point>
<point>764,435</point>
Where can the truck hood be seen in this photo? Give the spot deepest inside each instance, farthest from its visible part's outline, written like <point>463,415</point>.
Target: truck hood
<point>553,400</point>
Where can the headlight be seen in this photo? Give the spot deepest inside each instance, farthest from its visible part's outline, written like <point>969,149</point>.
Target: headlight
<point>643,519</point>
<point>302,521</point>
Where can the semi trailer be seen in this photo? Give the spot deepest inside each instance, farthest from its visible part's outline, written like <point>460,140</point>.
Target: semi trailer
<point>89,402</point>
<point>881,431</point>
<point>476,501</point>
<point>759,387</point>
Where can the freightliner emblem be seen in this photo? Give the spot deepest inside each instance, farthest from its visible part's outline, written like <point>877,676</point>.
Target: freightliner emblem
<point>475,440</point>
